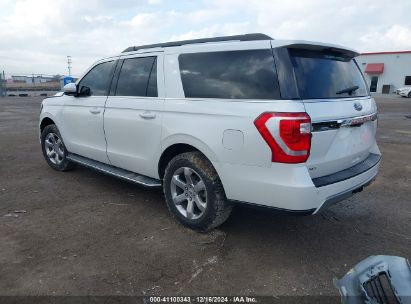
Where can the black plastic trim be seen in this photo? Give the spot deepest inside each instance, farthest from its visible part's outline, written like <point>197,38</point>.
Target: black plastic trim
<point>275,209</point>
<point>371,161</point>
<point>114,76</point>
<point>245,37</point>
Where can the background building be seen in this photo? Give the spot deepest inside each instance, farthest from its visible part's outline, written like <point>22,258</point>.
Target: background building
<point>34,79</point>
<point>386,71</point>
<point>32,85</point>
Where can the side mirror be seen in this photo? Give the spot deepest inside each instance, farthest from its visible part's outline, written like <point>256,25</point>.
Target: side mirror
<point>70,89</point>
<point>84,91</point>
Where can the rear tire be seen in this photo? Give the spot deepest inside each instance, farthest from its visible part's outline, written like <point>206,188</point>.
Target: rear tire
<point>194,193</point>
<point>54,151</point>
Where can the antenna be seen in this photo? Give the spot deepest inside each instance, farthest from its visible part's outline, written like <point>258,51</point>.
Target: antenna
<point>69,65</point>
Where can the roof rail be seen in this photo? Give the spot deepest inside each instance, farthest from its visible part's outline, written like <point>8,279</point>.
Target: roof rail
<point>245,37</point>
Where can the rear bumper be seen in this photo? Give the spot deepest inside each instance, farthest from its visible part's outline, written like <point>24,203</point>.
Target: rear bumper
<point>290,187</point>
<point>365,165</point>
<point>344,195</point>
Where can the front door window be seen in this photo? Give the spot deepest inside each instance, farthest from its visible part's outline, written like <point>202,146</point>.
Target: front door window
<point>97,79</point>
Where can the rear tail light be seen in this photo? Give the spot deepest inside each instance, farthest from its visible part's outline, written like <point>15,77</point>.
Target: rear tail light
<point>287,134</point>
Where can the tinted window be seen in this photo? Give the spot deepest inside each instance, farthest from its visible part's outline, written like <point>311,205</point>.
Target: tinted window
<point>233,74</point>
<point>326,74</point>
<point>135,75</point>
<point>97,79</point>
<point>407,80</point>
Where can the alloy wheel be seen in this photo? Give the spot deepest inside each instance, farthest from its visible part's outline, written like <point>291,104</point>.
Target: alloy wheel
<point>54,148</point>
<point>189,193</point>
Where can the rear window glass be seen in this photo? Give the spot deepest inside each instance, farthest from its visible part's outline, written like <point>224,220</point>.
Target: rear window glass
<point>326,75</point>
<point>138,77</point>
<point>231,75</point>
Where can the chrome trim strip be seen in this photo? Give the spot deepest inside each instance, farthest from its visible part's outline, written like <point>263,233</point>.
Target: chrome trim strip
<point>337,99</point>
<point>345,122</point>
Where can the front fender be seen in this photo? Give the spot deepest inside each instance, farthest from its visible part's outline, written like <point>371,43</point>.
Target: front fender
<point>45,115</point>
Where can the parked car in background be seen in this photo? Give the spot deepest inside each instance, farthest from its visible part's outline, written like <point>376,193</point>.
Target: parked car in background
<point>404,92</point>
<point>217,122</point>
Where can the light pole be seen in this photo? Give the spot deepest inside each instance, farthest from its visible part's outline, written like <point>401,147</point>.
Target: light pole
<point>69,65</point>
<point>2,85</point>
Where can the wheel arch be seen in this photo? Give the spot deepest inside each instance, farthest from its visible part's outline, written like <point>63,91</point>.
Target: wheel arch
<point>46,121</point>
<point>178,144</point>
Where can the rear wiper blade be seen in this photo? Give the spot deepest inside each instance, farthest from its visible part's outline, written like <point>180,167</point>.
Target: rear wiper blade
<point>348,90</point>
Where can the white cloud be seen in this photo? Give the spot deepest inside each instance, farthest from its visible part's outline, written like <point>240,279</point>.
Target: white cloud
<point>154,2</point>
<point>334,21</point>
<point>37,35</point>
<point>396,37</point>
<point>215,31</point>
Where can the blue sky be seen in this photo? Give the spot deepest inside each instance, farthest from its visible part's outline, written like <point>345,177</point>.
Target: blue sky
<point>37,35</point>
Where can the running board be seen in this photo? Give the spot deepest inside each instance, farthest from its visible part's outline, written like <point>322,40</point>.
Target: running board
<point>114,171</point>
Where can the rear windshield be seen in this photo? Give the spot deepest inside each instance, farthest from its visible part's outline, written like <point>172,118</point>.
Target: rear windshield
<point>326,75</point>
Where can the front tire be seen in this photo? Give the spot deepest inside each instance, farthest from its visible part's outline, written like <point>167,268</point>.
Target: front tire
<point>54,150</point>
<point>194,193</point>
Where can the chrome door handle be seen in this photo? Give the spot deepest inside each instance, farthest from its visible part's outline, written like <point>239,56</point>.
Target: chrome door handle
<point>148,115</point>
<point>95,110</point>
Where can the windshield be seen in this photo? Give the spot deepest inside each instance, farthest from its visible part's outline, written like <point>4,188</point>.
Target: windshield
<point>322,74</point>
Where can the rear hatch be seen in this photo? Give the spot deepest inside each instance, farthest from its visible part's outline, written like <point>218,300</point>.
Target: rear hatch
<point>343,115</point>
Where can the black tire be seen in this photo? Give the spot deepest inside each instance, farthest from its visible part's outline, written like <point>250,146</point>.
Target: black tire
<point>217,208</point>
<point>409,95</point>
<point>64,164</point>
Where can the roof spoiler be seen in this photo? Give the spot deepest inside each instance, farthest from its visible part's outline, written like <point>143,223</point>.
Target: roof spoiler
<point>324,47</point>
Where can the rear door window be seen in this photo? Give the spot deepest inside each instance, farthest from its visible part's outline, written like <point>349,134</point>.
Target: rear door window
<point>322,74</point>
<point>247,74</point>
<point>138,77</point>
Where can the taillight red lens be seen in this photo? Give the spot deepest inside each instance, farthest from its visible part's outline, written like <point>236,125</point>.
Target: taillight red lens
<point>287,134</point>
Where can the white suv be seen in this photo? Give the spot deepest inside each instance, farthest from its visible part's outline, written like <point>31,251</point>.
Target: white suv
<point>214,122</point>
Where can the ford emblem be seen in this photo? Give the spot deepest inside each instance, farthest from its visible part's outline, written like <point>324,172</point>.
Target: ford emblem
<point>357,106</point>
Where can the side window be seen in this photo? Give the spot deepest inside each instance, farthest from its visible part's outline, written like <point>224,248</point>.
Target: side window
<point>135,79</point>
<point>247,74</point>
<point>97,79</point>
<point>407,80</point>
